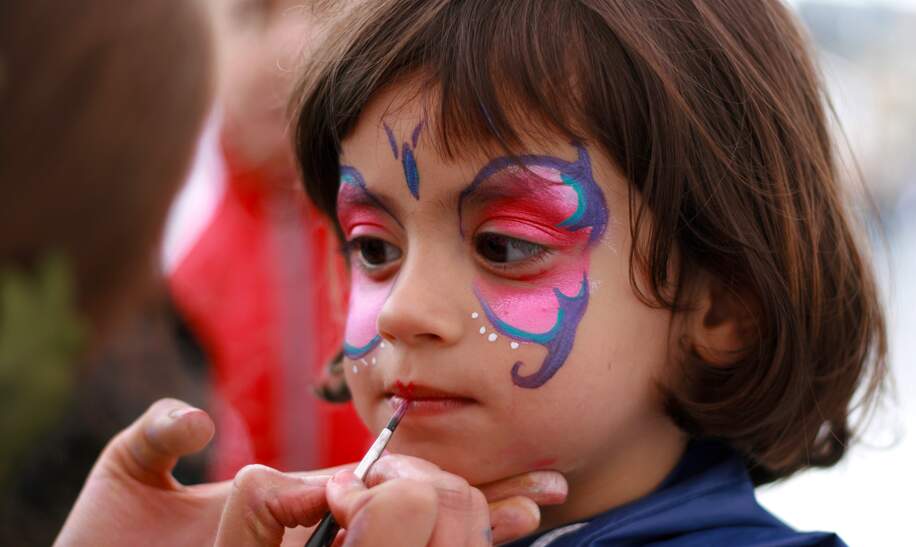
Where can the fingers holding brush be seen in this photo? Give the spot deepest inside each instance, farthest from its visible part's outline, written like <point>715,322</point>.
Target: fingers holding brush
<point>463,511</point>
<point>510,506</point>
<point>398,512</point>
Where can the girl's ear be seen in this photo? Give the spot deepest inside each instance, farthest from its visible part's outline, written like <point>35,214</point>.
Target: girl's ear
<point>723,323</point>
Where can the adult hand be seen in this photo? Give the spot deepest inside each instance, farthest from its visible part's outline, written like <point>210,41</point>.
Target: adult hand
<point>131,497</point>
<point>404,501</point>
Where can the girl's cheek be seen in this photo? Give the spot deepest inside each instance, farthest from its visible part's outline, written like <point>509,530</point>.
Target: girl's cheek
<point>366,300</point>
<point>533,307</point>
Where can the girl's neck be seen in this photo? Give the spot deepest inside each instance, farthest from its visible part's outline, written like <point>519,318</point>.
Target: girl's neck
<point>627,472</point>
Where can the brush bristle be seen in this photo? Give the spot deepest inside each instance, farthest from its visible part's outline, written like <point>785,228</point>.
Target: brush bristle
<point>398,414</point>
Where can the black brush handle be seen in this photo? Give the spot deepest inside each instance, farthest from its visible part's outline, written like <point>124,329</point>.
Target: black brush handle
<point>324,533</point>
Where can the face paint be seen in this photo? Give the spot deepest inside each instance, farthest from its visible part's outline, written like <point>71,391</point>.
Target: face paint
<point>408,162</point>
<point>366,300</point>
<point>353,191</point>
<point>366,295</point>
<point>548,309</point>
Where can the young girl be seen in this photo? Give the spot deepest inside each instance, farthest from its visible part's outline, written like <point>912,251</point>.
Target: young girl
<point>602,237</point>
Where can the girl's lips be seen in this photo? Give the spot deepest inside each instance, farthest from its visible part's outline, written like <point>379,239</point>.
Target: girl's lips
<point>431,406</point>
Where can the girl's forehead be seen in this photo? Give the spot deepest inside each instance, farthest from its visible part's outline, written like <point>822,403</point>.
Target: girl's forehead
<point>397,147</point>
<point>408,112</point>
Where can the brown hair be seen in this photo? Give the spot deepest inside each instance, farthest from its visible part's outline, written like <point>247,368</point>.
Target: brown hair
<point>714,113</point>
<point>102,102</point>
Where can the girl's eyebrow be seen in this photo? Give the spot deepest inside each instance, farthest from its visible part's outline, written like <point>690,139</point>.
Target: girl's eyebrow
<point>520,185</point>
<point>363,197</point>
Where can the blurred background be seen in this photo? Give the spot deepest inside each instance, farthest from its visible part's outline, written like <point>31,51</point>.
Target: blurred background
<point>236,329</point>
<point>867,52</point>
<point>248,311</point>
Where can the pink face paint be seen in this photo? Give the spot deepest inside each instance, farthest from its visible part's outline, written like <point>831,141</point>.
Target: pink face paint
<point>366,300</point>
<point>361,213</point>
<point>533,306</point>
<point>561,202</point>
<point>536,207</point>
<point>357,206</point>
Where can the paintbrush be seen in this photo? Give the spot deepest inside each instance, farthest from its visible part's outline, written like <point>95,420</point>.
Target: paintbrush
<point>327,529</point>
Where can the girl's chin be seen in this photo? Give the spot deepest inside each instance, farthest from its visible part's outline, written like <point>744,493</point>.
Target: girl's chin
<point>466,463</point>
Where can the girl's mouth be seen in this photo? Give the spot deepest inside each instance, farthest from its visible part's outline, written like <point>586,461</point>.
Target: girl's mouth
<point>426,401</point>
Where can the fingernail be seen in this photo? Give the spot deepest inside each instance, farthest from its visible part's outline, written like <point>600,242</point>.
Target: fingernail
<point>549,488</point>
<point>344,478</point>
<point>555,486</point>
<point>177,413</point>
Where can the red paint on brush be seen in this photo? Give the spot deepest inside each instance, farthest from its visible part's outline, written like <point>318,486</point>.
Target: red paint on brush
<point>399,413</point>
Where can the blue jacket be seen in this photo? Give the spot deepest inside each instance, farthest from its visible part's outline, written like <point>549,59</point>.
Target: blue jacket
<point>707,500</point>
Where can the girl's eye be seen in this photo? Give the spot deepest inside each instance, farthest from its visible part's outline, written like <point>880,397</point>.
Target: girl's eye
<point>500,249</point>
<point>374,252</point>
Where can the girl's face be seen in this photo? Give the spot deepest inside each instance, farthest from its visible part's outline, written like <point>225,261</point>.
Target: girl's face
<point>498,299</point>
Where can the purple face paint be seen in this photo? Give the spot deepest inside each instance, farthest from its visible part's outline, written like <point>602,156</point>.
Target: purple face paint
<point>415,136</point>
<point>411,175</point>
<point>392,141</point>
<point>408,162</point>
<point>546,310</point>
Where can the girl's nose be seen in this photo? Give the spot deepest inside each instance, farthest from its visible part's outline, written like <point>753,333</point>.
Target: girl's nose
<point>422,309</point>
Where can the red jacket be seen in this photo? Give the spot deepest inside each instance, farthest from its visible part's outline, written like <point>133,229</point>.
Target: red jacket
<point>263,288</point>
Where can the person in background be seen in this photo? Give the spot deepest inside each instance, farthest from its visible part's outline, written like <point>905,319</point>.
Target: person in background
<point>252,265</point>
<point>92,151</point>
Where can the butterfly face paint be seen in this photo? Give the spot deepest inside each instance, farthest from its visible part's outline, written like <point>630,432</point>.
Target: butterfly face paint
<point>359,208</point>
<point>556,204</point>
<point>360,213</point>
<point>408,162</point>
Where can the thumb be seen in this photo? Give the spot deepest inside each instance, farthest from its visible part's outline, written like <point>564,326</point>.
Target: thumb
<point>149,448</point>
<point>264,502</point>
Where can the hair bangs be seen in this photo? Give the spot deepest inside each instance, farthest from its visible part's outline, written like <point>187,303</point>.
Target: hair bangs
<point>494,75</point>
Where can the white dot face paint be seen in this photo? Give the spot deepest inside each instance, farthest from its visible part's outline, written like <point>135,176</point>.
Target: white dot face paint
<point>355,369</point>
<point>382,345</point>
<point>492,337</point>
<point>374,360</point>
<point>513,345</point>
<point>483,330</point>
<point>475,315</point>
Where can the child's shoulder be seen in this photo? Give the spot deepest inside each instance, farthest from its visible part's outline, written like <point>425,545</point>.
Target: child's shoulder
<point>707,500</point>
